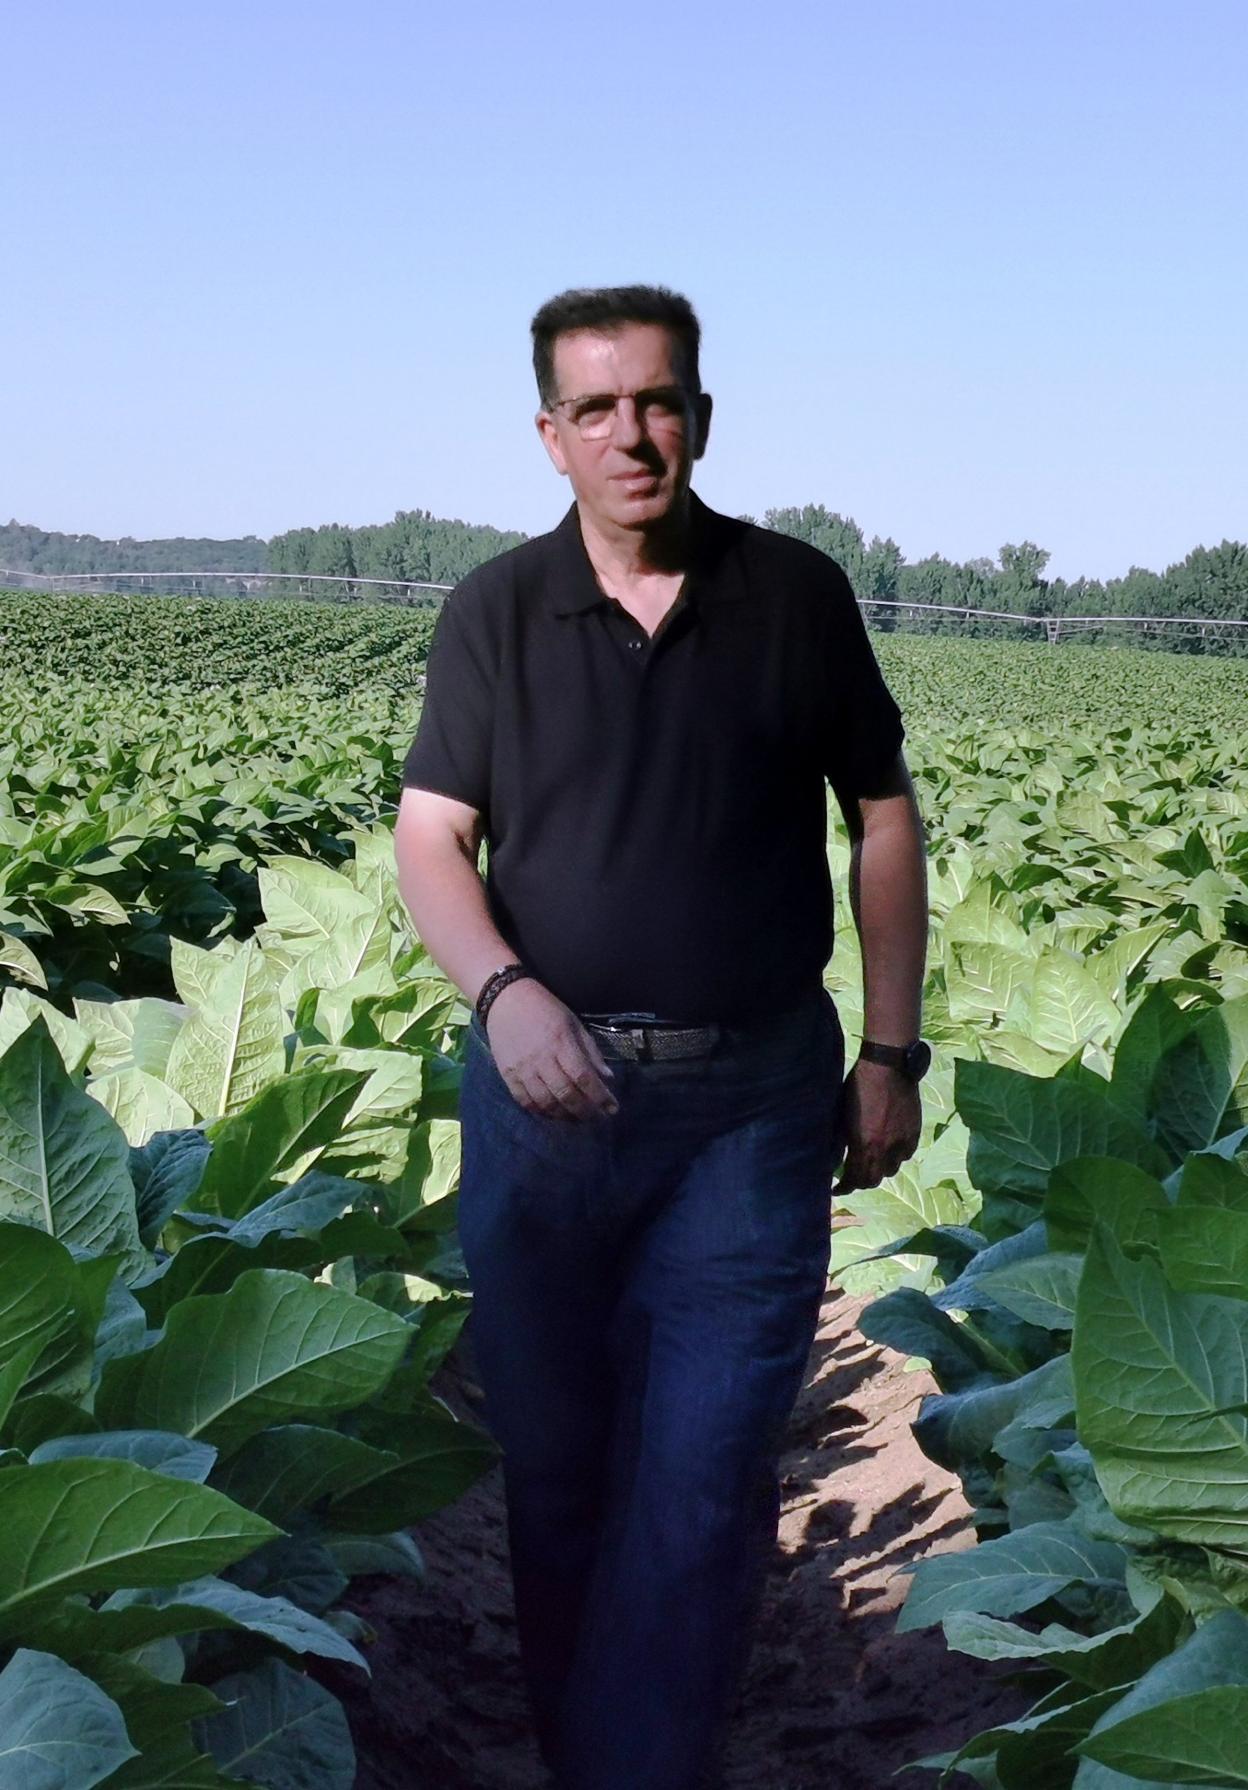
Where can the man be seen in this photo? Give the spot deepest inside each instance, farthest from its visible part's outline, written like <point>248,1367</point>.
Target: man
<point>638,711</point>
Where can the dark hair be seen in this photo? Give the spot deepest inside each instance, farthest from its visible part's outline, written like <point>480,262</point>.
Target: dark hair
<point>607,308</point>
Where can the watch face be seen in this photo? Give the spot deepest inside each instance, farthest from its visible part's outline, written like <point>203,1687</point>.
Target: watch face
<point>918,1058</point>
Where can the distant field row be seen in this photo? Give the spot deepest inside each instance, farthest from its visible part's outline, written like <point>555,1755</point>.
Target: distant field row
<point>376,654</point>
<point>160,641</point>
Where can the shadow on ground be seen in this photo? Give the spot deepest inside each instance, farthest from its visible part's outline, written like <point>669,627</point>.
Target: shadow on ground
<point>833,1699</point>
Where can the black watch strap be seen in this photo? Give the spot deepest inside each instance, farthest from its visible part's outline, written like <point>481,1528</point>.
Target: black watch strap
<point>912,1059</point>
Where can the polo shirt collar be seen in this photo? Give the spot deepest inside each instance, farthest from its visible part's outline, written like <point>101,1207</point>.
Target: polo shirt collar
<point>575,588</point>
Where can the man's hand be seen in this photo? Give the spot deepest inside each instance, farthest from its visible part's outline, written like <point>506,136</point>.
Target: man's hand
<point>548,1060</point>
<point>882,1121</point>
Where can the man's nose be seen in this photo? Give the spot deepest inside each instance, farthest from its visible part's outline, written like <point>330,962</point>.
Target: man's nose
<point>626,429</point>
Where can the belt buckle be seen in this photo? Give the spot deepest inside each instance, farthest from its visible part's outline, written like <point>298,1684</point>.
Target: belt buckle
<point>641,1044</point>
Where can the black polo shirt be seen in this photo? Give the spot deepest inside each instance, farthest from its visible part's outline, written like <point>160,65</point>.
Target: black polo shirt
<point>655,808</point>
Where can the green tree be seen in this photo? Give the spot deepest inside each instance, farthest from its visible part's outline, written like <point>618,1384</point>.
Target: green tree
<point>1020,584</point>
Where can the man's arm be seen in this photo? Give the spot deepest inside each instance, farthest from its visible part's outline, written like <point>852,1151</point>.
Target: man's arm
<point>888,899</point>
<point>436,844</point>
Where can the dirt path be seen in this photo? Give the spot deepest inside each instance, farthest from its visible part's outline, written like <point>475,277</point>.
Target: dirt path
<point>833,1699</point>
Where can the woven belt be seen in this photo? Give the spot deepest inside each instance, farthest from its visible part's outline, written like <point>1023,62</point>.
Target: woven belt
<point>642,1043</point>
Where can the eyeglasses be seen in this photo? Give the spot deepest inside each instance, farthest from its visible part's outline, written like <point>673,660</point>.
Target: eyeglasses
<point>661,407</point>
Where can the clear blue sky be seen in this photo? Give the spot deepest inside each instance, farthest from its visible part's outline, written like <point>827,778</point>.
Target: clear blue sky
<point>968,272</point>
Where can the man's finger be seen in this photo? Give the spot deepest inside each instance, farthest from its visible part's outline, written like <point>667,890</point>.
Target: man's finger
<point>578,1091</point>
<point>589,1044</point>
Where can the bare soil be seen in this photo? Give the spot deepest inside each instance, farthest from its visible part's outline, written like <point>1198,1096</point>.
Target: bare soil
<point>833,1699</point>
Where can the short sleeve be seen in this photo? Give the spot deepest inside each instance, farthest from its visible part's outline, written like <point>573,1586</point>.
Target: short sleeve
<point>451,751</point>
<point>864,730</point>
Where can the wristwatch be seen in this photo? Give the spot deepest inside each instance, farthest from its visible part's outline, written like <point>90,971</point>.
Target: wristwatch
<point>912,1059</point>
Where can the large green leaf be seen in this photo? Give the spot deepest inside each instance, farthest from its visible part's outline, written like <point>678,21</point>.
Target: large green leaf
<point>157,1716</point>
<point>292,1466</point>
<point>1205,1250</point>
<point>438,1459</point>
<point>134,1618</point>
<point>983,916</point>
<point>166,1171</point>
<point>1193,1739</point>
<point>1184,1722</point>
<point>377,1131</point>
<point>1010,1574</point>
<point>414,1016</point>
<point>396,1555</point>
<point>196,972</point>
<point>965,1292</point>
<point>274,1347</point>
<point>64,1162</point>
<point>1092,1190</point>
<point>1040,1290</point>
<point>88,1525</point>
<point>281,1729</point>
<point>19,960</point>
<point>306,1207</point>
<point>958,1429</point>
<point>142,1104</point>
<point>19,1010</point>
<point>1114,964</point>
<point>232,1046</point>
<point>1033,1752</point>
<point>308,903</point>
<point>1022,1127</point>
<point>906,1320</point>
<point>13,1376</point>
<point>356,956</point>
<point>1154,1028</point>
<point>157,1450</point>
<point>1075,1468</point>
<point>982,979</point>
<point>38,1416</point>
<point>130,1034</point>
<point>1161,1381</point>
<point>1211,1179</point>
<point>1200,1089</point>
<point>213,1262</point>
<point>290,1122</point>
<point>1113,1656</point>
<point>58,1730</point>
<point>40,1295</point>
<point>1068,1005</point>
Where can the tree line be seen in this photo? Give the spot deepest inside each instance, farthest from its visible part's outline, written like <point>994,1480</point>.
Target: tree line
<point>25,548</point>
<point>418,547</point>
<point>1211,582</point>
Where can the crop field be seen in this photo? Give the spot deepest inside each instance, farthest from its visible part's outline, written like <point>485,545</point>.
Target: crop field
<point>229,1158</point>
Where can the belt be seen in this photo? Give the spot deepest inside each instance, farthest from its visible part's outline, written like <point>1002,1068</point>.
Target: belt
<point>644,1038</point>
<point>650,1041</point>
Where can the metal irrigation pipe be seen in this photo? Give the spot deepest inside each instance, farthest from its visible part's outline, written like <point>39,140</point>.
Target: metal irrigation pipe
<point>1052,624</point>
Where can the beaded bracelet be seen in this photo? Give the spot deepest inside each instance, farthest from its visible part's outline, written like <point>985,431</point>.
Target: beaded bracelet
<point>494,985</point>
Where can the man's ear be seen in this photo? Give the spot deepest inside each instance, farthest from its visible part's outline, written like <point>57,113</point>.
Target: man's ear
<point>550,440</point>
<point>703,405</point>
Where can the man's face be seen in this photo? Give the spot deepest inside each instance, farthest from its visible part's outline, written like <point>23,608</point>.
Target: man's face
<point>632,476</point>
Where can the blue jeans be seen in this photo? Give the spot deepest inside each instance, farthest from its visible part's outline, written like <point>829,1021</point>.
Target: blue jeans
<point>646,1291</point>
